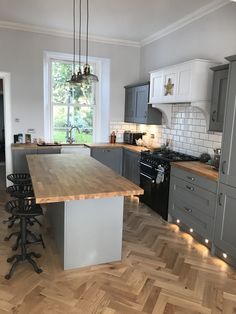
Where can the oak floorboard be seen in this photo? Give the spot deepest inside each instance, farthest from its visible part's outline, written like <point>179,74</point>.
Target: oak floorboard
<point>163,270</point>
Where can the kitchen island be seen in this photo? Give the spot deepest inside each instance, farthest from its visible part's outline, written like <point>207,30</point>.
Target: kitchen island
<point>85,202</point>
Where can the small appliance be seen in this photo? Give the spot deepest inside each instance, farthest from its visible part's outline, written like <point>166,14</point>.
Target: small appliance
<point>131,137</point>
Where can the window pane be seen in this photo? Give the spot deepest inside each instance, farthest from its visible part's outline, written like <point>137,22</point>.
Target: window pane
<point>72,106</point>
<point>64,117</point>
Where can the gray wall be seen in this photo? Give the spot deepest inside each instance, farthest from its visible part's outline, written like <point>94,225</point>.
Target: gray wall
<point>211,37</point>
<point>21,54</point>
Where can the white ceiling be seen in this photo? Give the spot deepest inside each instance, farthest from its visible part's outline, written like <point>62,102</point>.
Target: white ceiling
<point>132,20</point>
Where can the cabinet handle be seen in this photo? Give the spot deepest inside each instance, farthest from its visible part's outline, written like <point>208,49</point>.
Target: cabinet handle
<point>145,115</point>
<point>191,178</point>
<point>223,166</point>
<point>188,209</point>
<point>190,188</point>
<point>220,199</point>
<point>213,117</point>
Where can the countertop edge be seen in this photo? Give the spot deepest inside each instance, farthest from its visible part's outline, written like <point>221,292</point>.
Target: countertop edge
<point>42,200</point>
<point>197,172</point>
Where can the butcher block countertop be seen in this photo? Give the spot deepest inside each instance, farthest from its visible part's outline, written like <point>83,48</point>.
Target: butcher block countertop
<point>198,168</point>
<point>132,148</point>
<point>33,146</point>
<point>58,178</point>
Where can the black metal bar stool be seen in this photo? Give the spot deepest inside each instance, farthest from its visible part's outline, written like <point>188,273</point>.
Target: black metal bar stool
<point>19,178</point>
<point>23,192</point>
<point>23,209</point>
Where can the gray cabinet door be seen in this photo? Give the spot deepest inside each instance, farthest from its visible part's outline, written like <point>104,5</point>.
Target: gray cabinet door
<point>49,150</point>
<point>224,233</point>
<point>137,109</point>
<point>218,101</point>
<point>110,157</point>
<point>228,157</point>
<point>141,103</point>
<point>131,166</point>
<point>129,104</point>
<point>193,205</point>
<point>19,160</point>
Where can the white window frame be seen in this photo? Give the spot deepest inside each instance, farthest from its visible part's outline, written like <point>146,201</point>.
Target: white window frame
<point>101,109</point>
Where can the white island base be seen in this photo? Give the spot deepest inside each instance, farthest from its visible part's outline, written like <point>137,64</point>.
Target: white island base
<point>88,232</point>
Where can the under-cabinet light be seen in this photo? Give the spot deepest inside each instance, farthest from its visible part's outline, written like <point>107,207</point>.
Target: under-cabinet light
<point>191,230</point>
<point>178,221</point>
<point>206,241</point>
<point>224,255</point>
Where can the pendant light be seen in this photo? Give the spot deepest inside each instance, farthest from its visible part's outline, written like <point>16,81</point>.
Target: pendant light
<point>76,78</point>
<point>87,75</point>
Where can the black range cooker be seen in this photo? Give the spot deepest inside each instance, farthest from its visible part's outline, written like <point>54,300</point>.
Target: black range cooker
<point>155,178</point>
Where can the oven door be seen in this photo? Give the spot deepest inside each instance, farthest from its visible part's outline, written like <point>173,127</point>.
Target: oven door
<point>147,183</point>
<point>156,192</point>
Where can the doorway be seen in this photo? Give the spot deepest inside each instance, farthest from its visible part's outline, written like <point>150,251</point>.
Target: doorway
<point>2,140</point>
<point>5,129</point>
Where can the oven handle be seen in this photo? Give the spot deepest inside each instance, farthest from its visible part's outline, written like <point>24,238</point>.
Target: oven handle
<point>143,163</point>
<point>160,171</point>
<point>150,178</point>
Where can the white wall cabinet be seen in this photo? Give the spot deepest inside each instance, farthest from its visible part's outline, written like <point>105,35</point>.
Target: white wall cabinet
<point>182,83</point>
<point>187,82</point>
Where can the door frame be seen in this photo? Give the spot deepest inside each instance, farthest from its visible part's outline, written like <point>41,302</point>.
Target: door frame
<point>6,77</point>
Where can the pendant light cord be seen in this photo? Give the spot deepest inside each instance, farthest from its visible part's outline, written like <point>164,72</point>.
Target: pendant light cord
<point>74,8</point>
<point>87,32</point>
<point>80,26</point>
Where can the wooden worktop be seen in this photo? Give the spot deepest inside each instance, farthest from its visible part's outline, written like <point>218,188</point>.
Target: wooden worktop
<point>33,146</point>
<point>133,148</point>
<point>198,168</point>
<point>65,177</point>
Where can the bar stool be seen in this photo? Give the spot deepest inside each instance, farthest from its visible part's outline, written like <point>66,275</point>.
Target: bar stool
<point>23,210</point>
<point>22,192</point>
<point>19,178</point>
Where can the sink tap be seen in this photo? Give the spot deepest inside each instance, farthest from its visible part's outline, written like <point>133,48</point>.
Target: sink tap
<point>69,138</point>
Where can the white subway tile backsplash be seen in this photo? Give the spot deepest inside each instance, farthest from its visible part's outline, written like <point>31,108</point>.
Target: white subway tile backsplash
<point>188,131</point>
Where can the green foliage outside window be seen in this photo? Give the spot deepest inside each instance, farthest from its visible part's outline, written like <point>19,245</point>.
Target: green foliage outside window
<point>72,106</point>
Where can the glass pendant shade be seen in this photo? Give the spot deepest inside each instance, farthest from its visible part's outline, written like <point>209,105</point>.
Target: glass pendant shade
<point>87,74</point>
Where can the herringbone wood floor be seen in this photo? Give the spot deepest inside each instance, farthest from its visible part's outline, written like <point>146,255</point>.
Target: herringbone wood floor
<point>162,271</point>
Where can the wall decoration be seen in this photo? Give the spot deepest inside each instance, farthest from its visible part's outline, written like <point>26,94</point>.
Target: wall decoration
<point>169,87</point>
<point>27,138</point>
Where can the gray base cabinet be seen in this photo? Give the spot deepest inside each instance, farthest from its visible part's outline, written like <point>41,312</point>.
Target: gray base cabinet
<point>19,160</point>
<point>131,166</point>
<point>19,157</point>
<point>110,157</point>
<point>192,200</point>
<point>224,233</point>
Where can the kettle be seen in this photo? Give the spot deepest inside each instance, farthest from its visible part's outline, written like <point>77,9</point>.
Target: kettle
<point>216,160</point>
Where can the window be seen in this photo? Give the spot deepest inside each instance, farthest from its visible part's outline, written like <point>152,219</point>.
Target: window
<point>71,106</point>
<point>87,108</point>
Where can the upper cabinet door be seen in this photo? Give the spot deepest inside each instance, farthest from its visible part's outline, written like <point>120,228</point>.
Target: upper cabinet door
<point>228,157</point>
<point>129,104</point>
<point>141,101</point>
<point>137,109</point>
<point>156,87</point>
<point>218,100</point>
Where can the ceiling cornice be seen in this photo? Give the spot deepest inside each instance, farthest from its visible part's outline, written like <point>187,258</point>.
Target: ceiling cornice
<point>197,14</point>
<point>59,33</point>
